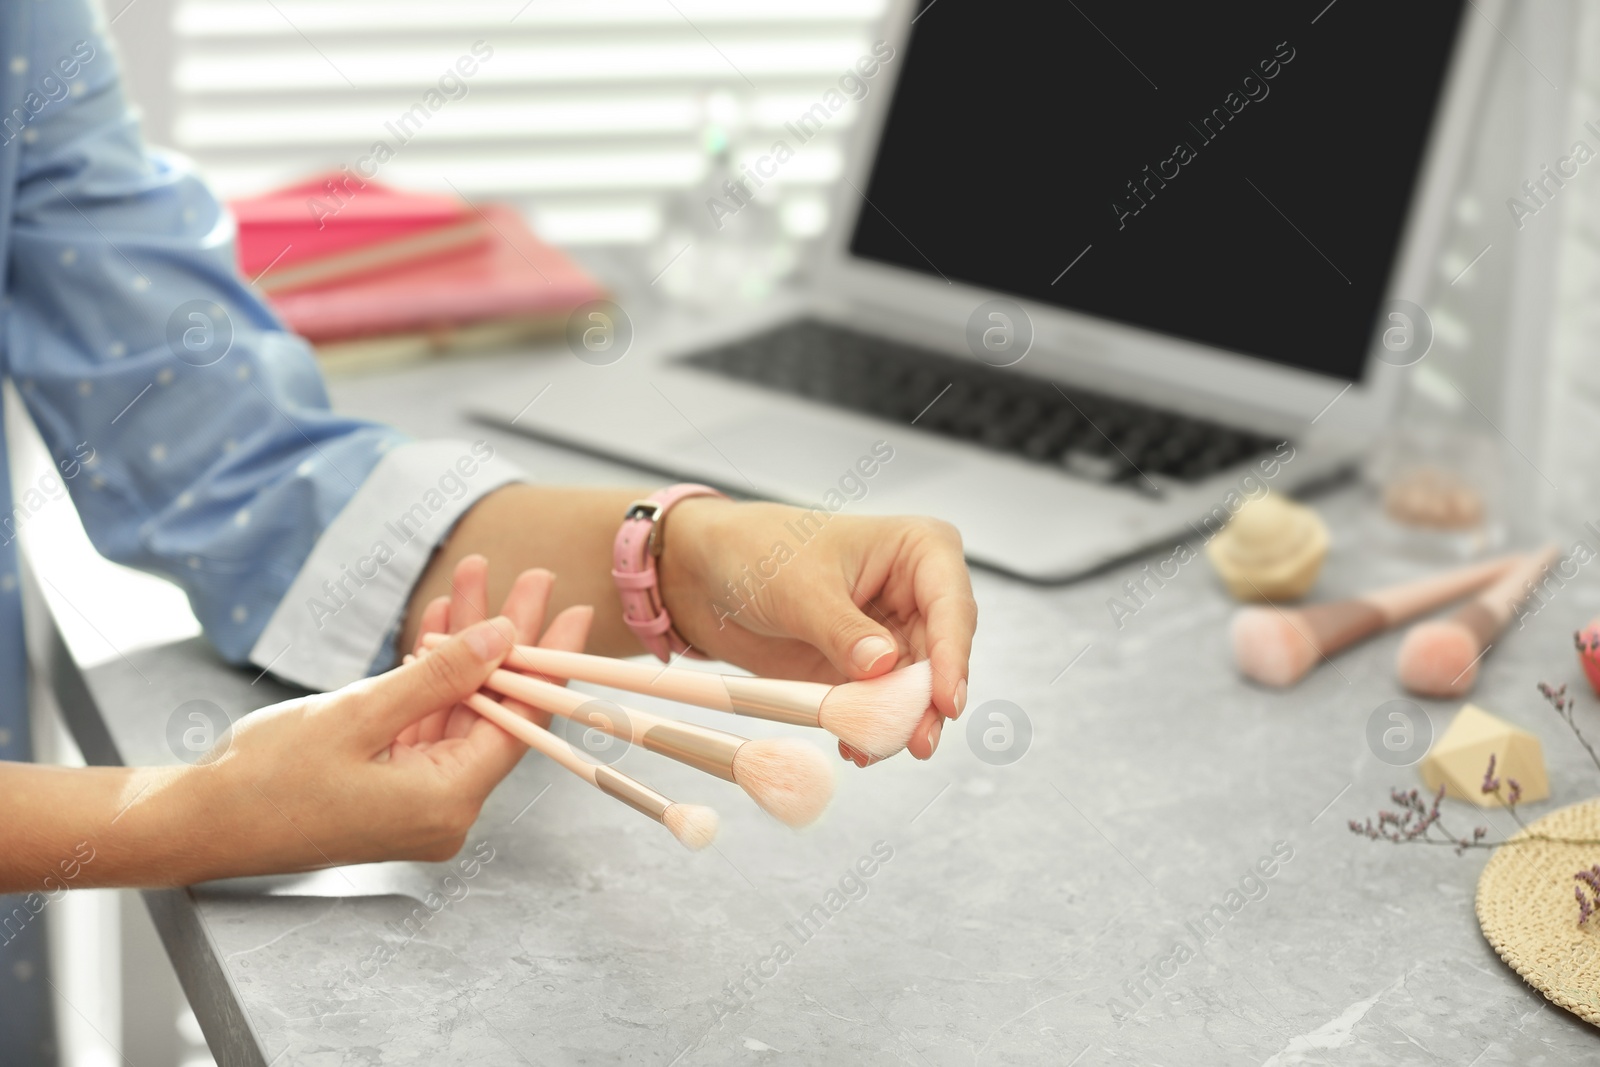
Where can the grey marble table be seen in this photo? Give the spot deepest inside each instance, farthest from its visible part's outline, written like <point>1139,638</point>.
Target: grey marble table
<point>960,911</point>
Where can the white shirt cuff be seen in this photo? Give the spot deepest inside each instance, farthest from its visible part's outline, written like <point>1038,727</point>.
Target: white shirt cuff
<point>348,597</point>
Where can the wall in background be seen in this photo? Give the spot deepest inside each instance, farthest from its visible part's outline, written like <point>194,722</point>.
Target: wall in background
<point>1492,303</point>
<point>1571,438</point>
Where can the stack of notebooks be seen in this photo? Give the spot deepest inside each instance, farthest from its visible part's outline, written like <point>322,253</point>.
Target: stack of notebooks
<point>377,276</point>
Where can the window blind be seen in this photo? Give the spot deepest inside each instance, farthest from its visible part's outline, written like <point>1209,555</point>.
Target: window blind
<point>591,116</point>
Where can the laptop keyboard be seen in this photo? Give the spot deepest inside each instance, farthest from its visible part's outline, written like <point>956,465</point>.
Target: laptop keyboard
<point>1091,435</point>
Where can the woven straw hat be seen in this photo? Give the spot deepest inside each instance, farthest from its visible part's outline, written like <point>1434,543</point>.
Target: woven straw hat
<point>1530,917</point>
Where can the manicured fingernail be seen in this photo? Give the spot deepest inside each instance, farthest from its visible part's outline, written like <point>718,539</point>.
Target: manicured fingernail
<point>869,651</point>
<point>933,736</point>
<point>488,640</point>
<point>961,698</point>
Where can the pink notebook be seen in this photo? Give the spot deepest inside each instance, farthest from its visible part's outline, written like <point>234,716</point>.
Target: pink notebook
<point>305,222</point>
<point>513,274</point>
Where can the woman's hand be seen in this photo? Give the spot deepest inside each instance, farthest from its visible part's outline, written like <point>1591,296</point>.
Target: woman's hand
<point>782,591</point>
<point>525,605</point>
<point>308,783</point>
<point>323,780</point>
<point>336,778</point>
<point>409,766</point>
<point>791,593</point>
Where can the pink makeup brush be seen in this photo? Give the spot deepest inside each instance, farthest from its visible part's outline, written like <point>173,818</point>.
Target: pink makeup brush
<point>788,778</point>
<point>875,716</point>
<point>1439,658</point>
<point>693,825</point>
<point>1278,646</point>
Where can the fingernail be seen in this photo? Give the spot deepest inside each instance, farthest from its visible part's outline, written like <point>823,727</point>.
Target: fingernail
<point>870,650</point>
<point>488,639</point>
<point>961,698</point>
<point>933,736</point>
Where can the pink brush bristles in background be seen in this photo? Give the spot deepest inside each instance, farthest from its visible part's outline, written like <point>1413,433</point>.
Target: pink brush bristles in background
<point>1440,658</point>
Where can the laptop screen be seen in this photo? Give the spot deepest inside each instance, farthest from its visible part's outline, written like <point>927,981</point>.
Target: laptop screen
<point>1236,175</point>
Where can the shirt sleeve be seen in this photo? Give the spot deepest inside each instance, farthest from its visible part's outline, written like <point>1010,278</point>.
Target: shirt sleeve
<point>192,430</point>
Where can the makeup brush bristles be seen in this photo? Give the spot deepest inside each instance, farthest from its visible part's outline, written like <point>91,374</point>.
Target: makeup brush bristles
<point>789,779</point>
<point>694,825</point>
<point>877,716</point>
<point>1269,649</point>
<point>1439,658</point>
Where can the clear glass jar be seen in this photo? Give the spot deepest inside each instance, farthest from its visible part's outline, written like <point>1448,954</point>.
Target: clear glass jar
<point>1439,475</point>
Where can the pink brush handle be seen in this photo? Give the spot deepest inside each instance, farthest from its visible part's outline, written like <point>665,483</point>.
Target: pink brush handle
<point>534,736</point>
<point>608,780</point>
<point>613,783</point>
<point>1337,624</point>
<point>559,700</point>
<point>671,683</point>
<point>700,747</point>
<point>1400,603</point>
<point>775,699</point>
<point>1487,613</point>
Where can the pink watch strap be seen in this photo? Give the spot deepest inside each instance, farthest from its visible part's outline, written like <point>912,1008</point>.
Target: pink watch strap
<point>633,568</point>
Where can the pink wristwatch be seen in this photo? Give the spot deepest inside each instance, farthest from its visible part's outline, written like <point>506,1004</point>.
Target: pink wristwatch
<point>633,568</point>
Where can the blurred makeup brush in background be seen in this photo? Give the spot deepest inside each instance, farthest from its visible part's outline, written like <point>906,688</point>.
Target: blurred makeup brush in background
<point>1440,657</point>
<point>1277,646</point>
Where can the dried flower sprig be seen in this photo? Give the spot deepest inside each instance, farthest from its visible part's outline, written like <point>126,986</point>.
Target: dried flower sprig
<point>1558,699</point>
<point>1417,819</point>
<point>1415,822</point>
<point>1587,905</point>
<point>1557,696</point>
<point>1491,784</point>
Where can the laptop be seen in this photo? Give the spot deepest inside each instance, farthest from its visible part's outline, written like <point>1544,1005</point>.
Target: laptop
<point>1094,278</point>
